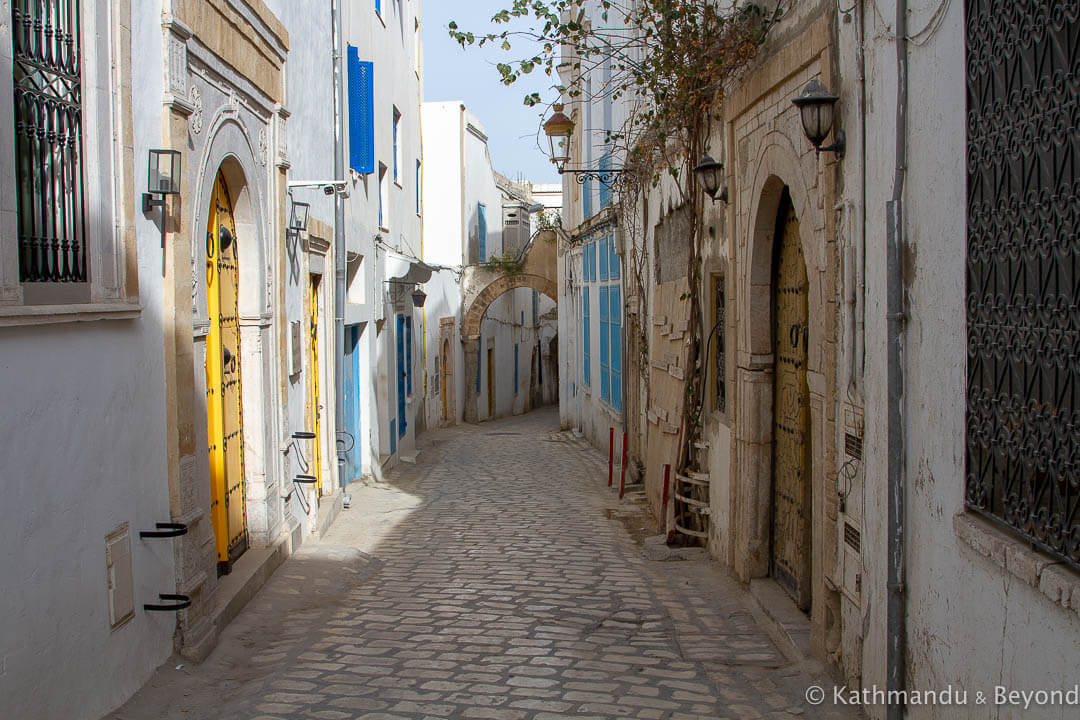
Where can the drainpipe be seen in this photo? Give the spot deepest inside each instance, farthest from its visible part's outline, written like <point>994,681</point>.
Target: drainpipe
<point>339,243</point>
<point>897,600</point>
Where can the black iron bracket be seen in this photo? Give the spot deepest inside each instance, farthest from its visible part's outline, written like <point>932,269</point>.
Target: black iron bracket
<point>165,530</point>
<point>602,176</point>
<point>175,602</point>
<point>306,479</point>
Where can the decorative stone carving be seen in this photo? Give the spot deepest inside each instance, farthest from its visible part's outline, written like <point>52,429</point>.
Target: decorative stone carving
<point>196,121</point>
<point>262,145</point>
<point>176,72</point>
<point>281,147</point>
<point>177,68</point>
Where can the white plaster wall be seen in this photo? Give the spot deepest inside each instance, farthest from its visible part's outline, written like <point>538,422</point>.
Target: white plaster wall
<point>310,134</point>
<point>970,623</point>
<point>82,438</point>
<point>389,41</point>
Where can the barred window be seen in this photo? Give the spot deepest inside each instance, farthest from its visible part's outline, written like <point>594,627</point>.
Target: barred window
<point>1023,271</point>
<point>48,141</point>
<point>719,351</point>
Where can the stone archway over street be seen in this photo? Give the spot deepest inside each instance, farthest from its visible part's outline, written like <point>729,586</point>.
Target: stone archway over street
<point>482,285</point>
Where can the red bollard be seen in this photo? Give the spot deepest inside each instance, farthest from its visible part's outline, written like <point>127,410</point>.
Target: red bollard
<point>610,456</point>
<point>622,475</point>
<point>667,484</point>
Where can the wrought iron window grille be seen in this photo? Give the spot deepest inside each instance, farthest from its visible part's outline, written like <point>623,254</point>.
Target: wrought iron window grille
<point>48,141</point>
<point>1023,271</point>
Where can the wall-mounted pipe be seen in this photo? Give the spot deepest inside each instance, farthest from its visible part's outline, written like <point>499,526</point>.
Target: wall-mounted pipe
<point>896,608</point>
<point>339,239</point>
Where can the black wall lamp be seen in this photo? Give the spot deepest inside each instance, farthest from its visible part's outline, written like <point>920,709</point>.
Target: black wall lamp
<point>817,107</point>
<point>298,216</point>
<point>710,173</point>
<point>163,178</point>
<point>558,129</point>
<point>419,297</point>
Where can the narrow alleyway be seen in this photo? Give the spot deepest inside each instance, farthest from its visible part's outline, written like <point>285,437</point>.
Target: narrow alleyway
<point>487,581</point>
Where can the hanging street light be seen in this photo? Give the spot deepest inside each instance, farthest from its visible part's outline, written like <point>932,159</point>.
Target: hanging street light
<point>817,108</point>
<point>559,129</point>
<point>710,173</point>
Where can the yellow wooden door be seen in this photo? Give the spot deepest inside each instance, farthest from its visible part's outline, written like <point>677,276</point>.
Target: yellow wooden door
<point>442,377</point>
<point>316,415</point>
<point>224,416</point>
<point>491,381</point>
<point>791,416</point>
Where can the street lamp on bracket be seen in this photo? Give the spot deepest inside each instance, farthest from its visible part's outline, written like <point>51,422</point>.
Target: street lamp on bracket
<point>559,129</point>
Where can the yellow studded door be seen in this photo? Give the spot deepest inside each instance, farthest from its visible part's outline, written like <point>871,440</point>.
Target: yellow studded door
<point>224,416</point>
<point>316,444</point>
<point>791,415</point>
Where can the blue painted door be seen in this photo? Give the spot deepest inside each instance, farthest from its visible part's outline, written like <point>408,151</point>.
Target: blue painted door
<point>353,457</point>
<point>402,370</point>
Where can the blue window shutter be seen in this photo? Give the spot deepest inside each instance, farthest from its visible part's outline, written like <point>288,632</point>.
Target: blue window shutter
<point>605,189</point>
<point>361,113</point>
<point>481,232</point>
<point>602,246</point>
<point>613,261</point>
<point>378,6</point>
<point>408,352</point>
<point>605,362</point>
<point>397,170</point>
<point>615,314</point>
<point>585,333</point>
<point>586,198</point>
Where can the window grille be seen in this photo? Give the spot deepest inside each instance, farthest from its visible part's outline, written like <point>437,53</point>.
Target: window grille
<point>720,357</point>
<point>48,140</point>
<point>1023,270</point>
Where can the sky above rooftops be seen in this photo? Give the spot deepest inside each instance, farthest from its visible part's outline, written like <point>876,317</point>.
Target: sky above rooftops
<point>451,73</point>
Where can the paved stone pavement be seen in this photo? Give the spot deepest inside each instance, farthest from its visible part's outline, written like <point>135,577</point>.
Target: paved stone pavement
<point>488,580</point>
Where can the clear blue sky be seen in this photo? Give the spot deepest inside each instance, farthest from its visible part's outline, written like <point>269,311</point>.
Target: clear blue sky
<point>469,75</point>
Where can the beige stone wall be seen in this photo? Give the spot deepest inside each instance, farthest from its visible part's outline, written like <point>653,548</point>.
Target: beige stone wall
<point>767,152</point>
<point>667,379</point>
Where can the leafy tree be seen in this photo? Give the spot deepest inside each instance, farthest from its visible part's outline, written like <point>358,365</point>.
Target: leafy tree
<point>667,63</point>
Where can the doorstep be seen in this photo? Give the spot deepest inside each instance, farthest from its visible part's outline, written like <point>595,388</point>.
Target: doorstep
<point>778,615</point>
<point>249,573</point>
<point>329,508</point>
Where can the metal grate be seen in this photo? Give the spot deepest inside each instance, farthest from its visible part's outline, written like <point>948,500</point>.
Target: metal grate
<point>1023,269</point>
<point>720,359</point>
<point>853,446</point>
<point>852,537</point>
<point>48,140</point>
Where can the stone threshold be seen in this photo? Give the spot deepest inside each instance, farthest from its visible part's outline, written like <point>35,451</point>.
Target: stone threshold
<point>778,615</point>
<point>249,573</point>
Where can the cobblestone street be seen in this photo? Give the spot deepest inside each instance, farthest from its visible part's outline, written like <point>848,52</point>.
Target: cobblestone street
<point>488,580</point>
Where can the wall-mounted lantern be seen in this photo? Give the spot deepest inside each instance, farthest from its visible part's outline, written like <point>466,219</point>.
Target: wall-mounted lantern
<point>419,297</point>
<point>163,178</point>
<point>817,108</point>
<point>558,129</point>
<point>298,216</point>
<point>710,173</point>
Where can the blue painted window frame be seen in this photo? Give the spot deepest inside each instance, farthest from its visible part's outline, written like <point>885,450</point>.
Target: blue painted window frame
<point>615,345</point>
<point>481,232</point>
<point>605,339</point>
<point>361,85</point>
<point>408,355</point>
<point>613,257</point>
<point>587,370</point>
<point>396,119</point>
